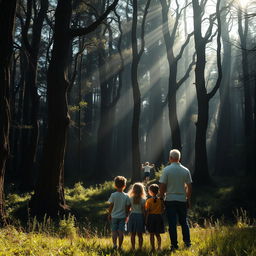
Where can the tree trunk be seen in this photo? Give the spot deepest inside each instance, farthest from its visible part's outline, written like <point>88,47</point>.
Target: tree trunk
<point>103,167</point>
<point>248,109</point>
<point>223,161</point>
<point>136,99</point>
<point>172,84</point>
<point>49,192</point>
<point>7,17</point>
<point>155,154</point>
<point>30,141</point>
<point>201,174</point>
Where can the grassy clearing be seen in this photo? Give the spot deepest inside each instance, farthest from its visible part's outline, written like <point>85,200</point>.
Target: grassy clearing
<point>86,231</point>
<point>212,241</point>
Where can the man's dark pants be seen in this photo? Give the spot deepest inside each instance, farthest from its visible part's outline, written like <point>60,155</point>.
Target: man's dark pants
<point>177,210</point>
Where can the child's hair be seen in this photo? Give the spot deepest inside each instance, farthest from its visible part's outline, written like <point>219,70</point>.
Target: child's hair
<point>120,181</point>
<point>137,192</point>
<point>154,188</point>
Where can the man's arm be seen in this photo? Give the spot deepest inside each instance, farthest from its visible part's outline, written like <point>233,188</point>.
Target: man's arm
<point>162,190</point>
<point>188,189</point>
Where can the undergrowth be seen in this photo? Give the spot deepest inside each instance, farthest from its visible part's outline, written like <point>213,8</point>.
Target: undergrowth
<point>86,230</point>
<point>210,241</point>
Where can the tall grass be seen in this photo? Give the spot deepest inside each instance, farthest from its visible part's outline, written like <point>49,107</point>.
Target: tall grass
<point>86,231</point>
<point>212,241</point>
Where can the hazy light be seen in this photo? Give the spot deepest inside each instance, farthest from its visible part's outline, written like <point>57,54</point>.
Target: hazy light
<point>244,3</point>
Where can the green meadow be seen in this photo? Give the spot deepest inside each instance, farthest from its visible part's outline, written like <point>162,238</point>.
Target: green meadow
<point>86,230</point>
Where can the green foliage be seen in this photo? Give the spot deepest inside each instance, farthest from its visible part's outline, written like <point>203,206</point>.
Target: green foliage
<point>158,174</point>
<point>67,227</point>
<point>80,106</point>
<point>87,231</point>
<point>89,206</point>
<point>47,226</point>
<point>231,241</point>
<point>211,241</point>
<point>222,199</point>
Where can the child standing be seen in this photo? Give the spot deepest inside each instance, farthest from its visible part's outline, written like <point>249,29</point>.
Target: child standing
<point>147,167</point>
<point>118,210</point>
<point>136,223</point>
<point>154,220</point>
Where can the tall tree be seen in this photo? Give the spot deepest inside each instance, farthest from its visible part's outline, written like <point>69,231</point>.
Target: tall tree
<point>136,56</point>
<point>201,173</point>
<point>154,115</point>
<point>224,126</point>
<point>243,24</point>
<point>173,83</point>
<point>7,18</point>
<point>49,192</point>
<point>31,102</point>
<point>110,93</point>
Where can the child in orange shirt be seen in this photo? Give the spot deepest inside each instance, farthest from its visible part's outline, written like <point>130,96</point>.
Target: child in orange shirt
<point>154,220</point>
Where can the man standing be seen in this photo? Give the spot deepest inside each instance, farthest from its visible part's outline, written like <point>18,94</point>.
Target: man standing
<point>175,183</point>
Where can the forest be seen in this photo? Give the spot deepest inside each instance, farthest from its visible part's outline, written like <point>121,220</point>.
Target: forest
<point>93,89</point>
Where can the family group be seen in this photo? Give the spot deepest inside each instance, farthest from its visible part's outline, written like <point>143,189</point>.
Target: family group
<point>138,211</point>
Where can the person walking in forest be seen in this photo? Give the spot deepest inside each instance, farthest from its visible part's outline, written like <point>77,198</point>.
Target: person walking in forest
<point>147,167</point>
<point>136,223</point>
<point>118,211</point>
<point>154,220</point>
<point>175,183</point>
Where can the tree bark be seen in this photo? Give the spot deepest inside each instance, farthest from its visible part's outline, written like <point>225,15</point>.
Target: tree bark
<point>7,18</point>
<point>243,24</point>
<point>109,98</point>
<point>222,162</point>
<point>136,54</point>
<point>201,174</point>
<point>49,192</point>
<point>31,135</point>
<point>173,84</point>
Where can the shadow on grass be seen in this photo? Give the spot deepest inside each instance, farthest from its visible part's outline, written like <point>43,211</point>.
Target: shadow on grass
<point>142,252</point>
<point>232,241</point>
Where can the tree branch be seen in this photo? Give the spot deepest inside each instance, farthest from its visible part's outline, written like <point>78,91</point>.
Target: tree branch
<point>184,46</point>
<point>94,25</point>
<point>174,30</point>
<point>217,85</point>
<point>143,29</point>
<point>25,28</point>
<point>186,75</point>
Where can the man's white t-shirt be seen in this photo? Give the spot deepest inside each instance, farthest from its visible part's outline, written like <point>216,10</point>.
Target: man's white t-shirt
<point>175,176</point>
<point>120,201</point>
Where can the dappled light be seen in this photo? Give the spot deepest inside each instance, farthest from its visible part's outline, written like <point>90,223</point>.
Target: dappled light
<point>118,118</point>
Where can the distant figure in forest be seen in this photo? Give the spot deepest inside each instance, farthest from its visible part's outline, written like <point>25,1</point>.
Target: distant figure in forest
<point>175,183</point>
<point>154,219</point>
<point>136,223</point>
<point>118,211</point>
<point>147,167</point>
